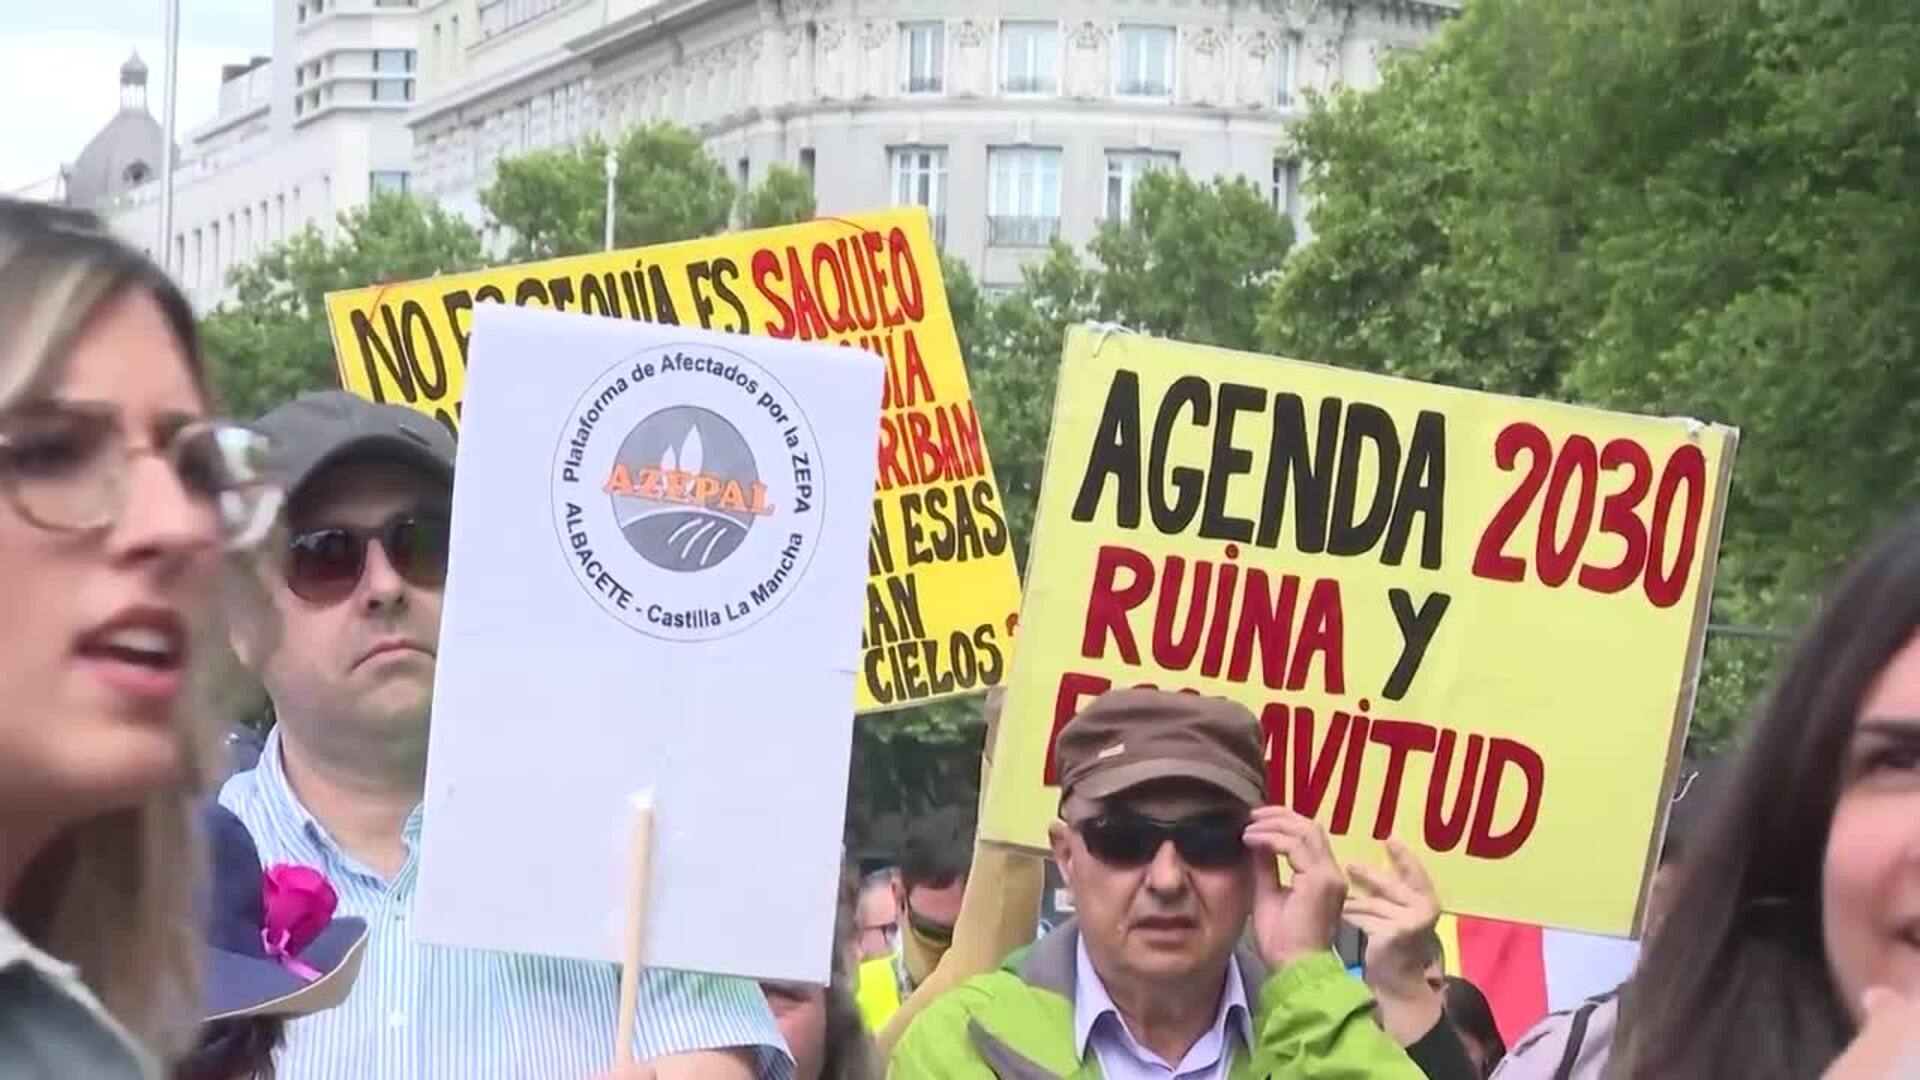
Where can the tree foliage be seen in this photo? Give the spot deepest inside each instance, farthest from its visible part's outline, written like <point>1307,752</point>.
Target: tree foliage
<point>666,187</point>
<point>270,341</point>
<point>1666,206</point>
<point>785,196</point>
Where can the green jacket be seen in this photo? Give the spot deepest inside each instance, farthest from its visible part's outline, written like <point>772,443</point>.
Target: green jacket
<point>1311,1021</point>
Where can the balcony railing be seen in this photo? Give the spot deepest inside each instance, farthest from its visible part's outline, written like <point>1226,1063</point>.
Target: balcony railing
<point>500,16</point>
<point>1144,88</point>
<point>925,84</point>
<point>1008,231</point>
<point>1028,84</point>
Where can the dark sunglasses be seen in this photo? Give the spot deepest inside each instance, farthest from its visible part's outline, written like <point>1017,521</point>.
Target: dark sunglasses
<point>325,565</point>
<point>1206,842</point>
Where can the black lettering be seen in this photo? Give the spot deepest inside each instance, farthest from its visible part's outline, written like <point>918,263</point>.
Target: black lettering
<point>1365,424</point>
<point>1416,633</point>
<point>1312,482</point>
<point>1172,518</point>
<point>1229,461</point>
<point>1116,454</point>
<point>1423,488</point>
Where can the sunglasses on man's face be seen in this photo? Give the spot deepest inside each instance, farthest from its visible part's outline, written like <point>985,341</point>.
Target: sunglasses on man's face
<point>325,564</point>
<point>1127,840</point>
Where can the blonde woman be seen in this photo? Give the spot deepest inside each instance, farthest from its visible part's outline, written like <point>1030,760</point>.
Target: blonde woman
<point>118,495</point>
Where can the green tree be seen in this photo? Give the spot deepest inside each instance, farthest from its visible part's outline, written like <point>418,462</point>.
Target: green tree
<point>785,195</point>
<point>1192,260</point>
<point>270,341</point>
<point>1675,208</point>
<point>666,187</point>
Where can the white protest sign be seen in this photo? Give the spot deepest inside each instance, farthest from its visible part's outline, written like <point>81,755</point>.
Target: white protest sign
<point>657,581</point>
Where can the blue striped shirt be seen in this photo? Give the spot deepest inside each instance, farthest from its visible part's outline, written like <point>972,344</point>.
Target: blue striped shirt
<point>431,1012</point>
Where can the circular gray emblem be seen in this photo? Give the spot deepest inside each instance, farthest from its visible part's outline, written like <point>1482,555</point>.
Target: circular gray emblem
<point>693,488</point>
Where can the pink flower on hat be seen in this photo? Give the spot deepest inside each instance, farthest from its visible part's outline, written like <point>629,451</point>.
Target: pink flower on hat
<point>299,904</point>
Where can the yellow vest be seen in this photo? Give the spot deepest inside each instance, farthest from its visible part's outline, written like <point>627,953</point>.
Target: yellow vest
<point>877,992</point>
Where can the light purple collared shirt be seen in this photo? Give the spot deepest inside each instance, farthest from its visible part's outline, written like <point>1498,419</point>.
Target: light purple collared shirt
<point>1097,1023</point>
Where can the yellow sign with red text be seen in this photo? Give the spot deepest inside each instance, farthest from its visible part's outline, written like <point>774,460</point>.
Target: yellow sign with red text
<point>1469,621</point>
<point>942,591</point>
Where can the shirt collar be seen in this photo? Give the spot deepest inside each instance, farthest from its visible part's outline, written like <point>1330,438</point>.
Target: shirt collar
<point>1091,1002</point>
<point>274,785</point>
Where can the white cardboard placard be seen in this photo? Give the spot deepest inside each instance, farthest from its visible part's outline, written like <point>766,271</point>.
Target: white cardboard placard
<point>689,623</point>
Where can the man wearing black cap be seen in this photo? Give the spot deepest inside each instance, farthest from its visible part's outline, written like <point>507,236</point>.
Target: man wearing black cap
<point>1166,841</point>
<point>344,640</point>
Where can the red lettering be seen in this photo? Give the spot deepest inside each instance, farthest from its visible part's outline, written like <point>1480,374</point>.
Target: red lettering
<point>966,424</point>
<point>929,463</point>
<point>1444,831</point>
<point>1313,773</point>
<point>1228,577</point>
<point>865,315</point>
<point>1273,732</point>
<point>1342,821</point>
<point>1271,623</point>
<point>806,307</point>
<point>1321,634</point>
<point>1073,687</point>
<point>870,245</point>
<point>1167,651</point>
<point>912,301</point>
<point>1108,604</point>
<point>839,316</point>
<point>1481,842</point>
<point>766,266</point>
<point>891,474</point>
<point>1400,737</point>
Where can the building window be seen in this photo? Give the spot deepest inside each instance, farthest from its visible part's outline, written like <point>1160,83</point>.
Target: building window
<point>1029,58</point>
<point>1143,62</point>
<point>923,57</point>
<point>1286,57</point>
<point>393,61</point>
<point>807,163</point>
<point>1124,170</point>
<point>920,179</point>
<point>393,89</point>
<point>388,181</point>
<point>136,173</point>
<point>300,13</point>
<point>1286,185</point>
<point>1023,205</point>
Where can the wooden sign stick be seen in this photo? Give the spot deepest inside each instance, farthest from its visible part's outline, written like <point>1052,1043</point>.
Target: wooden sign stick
<point>639,882</point>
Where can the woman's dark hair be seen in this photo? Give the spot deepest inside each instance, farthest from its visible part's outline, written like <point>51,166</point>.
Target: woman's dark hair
<point>234,1050</point>
<point>1472,1017</point>
<point>1735,981</point>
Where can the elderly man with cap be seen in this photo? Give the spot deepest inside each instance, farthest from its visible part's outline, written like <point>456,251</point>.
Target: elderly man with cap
<point>1166,841</point>
<point>344,639</point>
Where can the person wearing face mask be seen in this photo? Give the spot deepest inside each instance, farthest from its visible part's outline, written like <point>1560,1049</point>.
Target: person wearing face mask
<point>118,492</point>
<point>1169,848</point>
<point>927,891</point>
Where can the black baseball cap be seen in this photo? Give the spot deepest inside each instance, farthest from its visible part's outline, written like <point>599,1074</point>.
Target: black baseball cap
<point>327,427</point>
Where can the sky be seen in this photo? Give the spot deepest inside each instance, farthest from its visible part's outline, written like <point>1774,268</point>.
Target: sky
<point>60,69</point>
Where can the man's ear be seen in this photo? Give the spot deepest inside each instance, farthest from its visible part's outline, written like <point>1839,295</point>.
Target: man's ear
<point>1060,840</point>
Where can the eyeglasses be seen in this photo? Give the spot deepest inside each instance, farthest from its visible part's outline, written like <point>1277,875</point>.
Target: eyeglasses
<point>1205,842</point>
<point>325,565</point>
<point>64,467</point>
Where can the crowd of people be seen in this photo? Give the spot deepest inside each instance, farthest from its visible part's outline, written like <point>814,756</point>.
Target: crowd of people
<point>168,914</point>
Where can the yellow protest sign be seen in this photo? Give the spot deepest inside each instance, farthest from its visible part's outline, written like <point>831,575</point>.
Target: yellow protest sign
<point>942,591</point>
<point>1468,621</point>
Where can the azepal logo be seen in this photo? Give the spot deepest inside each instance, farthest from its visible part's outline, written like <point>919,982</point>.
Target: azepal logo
<point>686,492</point>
